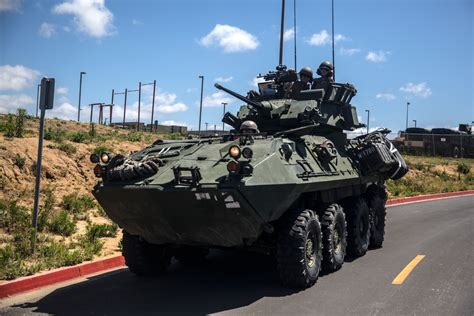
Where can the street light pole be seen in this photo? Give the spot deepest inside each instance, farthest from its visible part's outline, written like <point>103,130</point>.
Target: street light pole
<point>200,104</point>
<point>408,103</point>
<point>80,93</point>
<point>414,121</point>
<point>206,125</point>
<point>368,120</point>
<point>224,104</point>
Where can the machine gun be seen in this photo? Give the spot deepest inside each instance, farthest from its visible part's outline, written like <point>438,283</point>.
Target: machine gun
<point>280,76</point>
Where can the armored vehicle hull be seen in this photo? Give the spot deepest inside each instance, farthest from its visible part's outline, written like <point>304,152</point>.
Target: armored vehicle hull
<point>298,189</point>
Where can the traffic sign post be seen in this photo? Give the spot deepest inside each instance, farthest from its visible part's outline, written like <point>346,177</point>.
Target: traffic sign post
<point>46,103</point>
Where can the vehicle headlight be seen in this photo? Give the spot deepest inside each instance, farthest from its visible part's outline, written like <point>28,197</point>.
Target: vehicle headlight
<point>94,158</point>
<point>104,157</point>
<point>247,152</point>
<point>233,167</point>
<point>234,152</point>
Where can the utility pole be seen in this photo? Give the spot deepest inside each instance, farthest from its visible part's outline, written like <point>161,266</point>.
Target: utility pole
<point>140,85</point>
<point>113,104</point>
<point>153,102</point>
<point>406,125</point>
<point>139,103</point>
<point>206,125</point>
<point>80,93</point>
<point>368,120</point>
<point>124,108</point>
<point>200,104</point>
<point>224,104</point>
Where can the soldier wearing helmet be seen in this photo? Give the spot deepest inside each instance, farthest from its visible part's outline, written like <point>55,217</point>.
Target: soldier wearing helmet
<point>248,127</point>
<point>326,71</point>
<point>306,76</point>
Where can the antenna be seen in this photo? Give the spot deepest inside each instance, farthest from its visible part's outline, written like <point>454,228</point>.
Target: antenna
<point>282,31</point>
<point>333,61</point>
<point>294,27</point>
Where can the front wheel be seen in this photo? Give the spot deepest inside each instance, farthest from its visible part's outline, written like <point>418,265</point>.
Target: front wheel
<point>333,224</point>
<point>143,258</point>
<point>299,248</point>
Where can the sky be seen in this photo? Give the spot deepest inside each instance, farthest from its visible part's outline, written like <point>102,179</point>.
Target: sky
<point>393,51</point>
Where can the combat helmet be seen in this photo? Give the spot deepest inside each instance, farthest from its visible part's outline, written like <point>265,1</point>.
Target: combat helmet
<point>306,71</point>
<point>326,66</point>
<point>249,127</point>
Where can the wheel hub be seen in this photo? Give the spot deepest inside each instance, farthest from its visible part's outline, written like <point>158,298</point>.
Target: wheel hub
<point>310,253</point>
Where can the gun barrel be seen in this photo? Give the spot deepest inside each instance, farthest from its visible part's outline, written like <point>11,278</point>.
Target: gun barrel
<point>253,103</point>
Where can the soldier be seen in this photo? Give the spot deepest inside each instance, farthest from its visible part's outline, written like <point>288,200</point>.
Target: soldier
<point>325,70</point>
<point>248,127</point>
<point>306,76</point>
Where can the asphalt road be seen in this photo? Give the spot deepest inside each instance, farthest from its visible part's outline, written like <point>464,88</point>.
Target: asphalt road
<point>234,284</point>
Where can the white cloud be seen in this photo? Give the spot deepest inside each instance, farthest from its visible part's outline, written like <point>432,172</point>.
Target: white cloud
<point>216,99</point>
<point>385,96</point>
<point>62,90</point>
<point>90,16</point>
<point>10,5</point>
<point>17,77</point>
<point>171,122</point>
<point>47,30</point>
<point>324,38</point>
<point>255,81</point>
<point>9,103</point>
<point>230,38</point>
<point>289,34</point>
<point>419,90</point>
<point>223,79</point>
<point>137,22</point>
<point>66,111</point>
<point>377,57</point>
<point>349,51</point>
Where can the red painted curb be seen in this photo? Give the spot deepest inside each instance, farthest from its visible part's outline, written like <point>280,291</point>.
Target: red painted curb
<point>67,273</point>
<point>427,197</point>
<point>59,275</point>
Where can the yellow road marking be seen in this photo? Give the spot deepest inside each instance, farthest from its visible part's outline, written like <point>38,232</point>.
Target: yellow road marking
<point>407,270</point>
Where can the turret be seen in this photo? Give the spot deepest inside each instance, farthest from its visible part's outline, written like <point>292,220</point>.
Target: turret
<point>273,110</point>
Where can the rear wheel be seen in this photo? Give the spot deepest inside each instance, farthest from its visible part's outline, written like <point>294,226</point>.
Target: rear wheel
<point>378,213</point>
<point>456,152</point>
<point>188,255</point>
<point>299,248</point>
<point>358,229</point>
<point>143,258</point>
<point>333,224</point>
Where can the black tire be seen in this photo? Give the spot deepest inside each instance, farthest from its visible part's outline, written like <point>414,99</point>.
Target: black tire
<point>188,255</point>
<point>378,213</point>
<point>333,225</point>
<point>358,227</point>
<point>143,258</point>
<point>299,248</point>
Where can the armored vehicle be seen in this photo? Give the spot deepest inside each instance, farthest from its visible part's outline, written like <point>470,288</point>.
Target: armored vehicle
<point>286,181</point>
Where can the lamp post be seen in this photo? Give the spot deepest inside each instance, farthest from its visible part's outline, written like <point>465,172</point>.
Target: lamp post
<point>200,104</point>
<point>206,125</point>
<point>408,103</point>
<point>224,104</point>
<point>368,118</point>
<point>80,93</point>
<point>414,121</point>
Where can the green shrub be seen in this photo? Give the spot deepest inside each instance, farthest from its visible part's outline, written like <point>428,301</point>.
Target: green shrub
<point>15,219</point>
<point>79,137</point>
<point>92,131</point>
<point>101,230</point>
<point>134,137</point>
<point>102,148</point>
<point>174,136</point>
<point>56,135</point>
<point>67,148</point>
<point>19,161</point>
<point>77,204</point>
<point>20,123</point>
<point>45,212</point>
<point>463,168</point>
<point>9,127</point>
<point>62,225</point>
